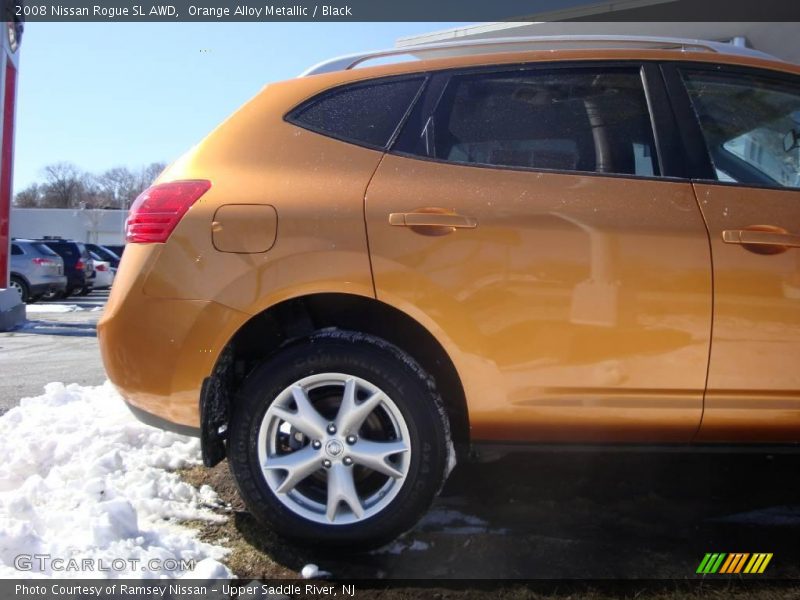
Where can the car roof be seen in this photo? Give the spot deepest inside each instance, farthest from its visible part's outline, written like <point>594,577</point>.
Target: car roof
<point>48,240</point>
<point>550,44</point>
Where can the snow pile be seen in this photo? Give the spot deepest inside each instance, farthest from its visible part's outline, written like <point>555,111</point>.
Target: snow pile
<point>81,478</point>
<point>52,308</point>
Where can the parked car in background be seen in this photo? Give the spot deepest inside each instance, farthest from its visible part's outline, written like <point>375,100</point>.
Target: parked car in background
<point>365,268</point>
<point>104,253</point>
<point>35,270</point>
<point>104,273</point>
<point>78,265</point>
<point>116,249</point>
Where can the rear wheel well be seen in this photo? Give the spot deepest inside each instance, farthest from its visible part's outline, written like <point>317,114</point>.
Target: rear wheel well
<point>265,333</point>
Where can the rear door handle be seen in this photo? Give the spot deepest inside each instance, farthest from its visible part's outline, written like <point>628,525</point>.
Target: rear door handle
<point>762,239</point>
<point>432,219</point>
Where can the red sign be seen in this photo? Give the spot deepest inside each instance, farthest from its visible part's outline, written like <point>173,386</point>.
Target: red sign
<point>6,167</point>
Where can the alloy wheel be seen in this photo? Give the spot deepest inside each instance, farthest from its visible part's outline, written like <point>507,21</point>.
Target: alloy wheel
<point>334,448</point>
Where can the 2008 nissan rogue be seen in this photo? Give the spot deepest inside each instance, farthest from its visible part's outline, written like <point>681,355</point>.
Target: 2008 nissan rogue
<point>365,272</point>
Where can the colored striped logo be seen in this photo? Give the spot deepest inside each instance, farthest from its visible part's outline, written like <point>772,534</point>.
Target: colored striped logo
<point>738,562</point>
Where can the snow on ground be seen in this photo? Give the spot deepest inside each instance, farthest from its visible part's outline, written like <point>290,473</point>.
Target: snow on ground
<point>778,516</point>
<point>81,478</point>
<point>52,308</point>
<point>312,571</point>
<point>452,521</point>
<point>400,546</point>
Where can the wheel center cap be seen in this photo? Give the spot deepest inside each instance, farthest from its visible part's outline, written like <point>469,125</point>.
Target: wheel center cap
<point>334,448</point>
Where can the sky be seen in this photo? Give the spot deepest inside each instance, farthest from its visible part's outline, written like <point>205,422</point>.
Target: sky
<point>102,95</point>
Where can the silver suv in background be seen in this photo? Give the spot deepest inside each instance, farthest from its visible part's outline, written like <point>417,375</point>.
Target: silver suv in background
<point>35,270</point>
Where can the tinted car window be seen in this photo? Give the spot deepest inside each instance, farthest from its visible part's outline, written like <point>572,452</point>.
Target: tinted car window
<point>66,250</point>
<point>43,249</point>
<point>102,252</point>
<point>567,120</point>
<point>751,126</point>
<point>361,113</point>
<point>15,250</point>
<point>69,251</point>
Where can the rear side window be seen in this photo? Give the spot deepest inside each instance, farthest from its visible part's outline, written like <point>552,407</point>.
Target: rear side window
<point>365,114</point>
<point>561,119</point>
<point>104,253</point>
<point>68,251</point>
<point>43,249</point>
<point>16,250</point>
<point>751,126</point>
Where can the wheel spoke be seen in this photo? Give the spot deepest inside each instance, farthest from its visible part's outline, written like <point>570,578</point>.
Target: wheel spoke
<point>351,414</point>
<point>306,418</point>
<point>373,455</point>
<point>298,465</point>
<point>342,488</point>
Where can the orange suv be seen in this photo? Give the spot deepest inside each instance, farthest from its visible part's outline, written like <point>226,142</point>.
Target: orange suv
<point>367,272</point>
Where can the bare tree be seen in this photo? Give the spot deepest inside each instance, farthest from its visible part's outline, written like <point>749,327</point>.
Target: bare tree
<point>63,186</point>
<point>147,175</point>
<point>66,186</point>
<point>94,195</point>
<point>117,187</point>
<point>30,197</point>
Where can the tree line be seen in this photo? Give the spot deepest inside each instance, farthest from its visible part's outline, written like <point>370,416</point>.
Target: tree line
<point>64,185</point>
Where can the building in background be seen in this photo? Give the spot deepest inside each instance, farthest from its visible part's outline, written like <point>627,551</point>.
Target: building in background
<point>12,312</point>
<point>96,226</point>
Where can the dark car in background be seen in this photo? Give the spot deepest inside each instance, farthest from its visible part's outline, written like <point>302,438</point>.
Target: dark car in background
<point>78,264</point>
<point>117,249</point>
<point>35,270</point>
<point>105,253</point>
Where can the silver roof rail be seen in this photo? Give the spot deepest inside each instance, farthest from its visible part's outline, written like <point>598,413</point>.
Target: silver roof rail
<point>521,44</point>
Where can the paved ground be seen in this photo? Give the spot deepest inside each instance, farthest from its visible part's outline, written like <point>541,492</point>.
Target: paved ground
<point>598,515</point>
<point>576,516</point>
<point>51,346</point>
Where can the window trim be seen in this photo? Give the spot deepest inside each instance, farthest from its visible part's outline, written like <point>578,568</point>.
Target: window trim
<point>293,114</point>
<point>700,166</point>
<point>666,141</point>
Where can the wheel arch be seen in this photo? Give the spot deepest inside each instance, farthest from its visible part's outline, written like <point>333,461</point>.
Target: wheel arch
<point>268,331</point>
<point>19,275</point>
<point>25,281</point>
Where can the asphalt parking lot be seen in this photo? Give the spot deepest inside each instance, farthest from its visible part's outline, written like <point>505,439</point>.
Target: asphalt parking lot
<point>552,516</point>
<point>57,343</point>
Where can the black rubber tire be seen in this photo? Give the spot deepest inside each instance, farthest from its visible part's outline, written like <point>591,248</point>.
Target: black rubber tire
<point>34,299</point>
<point>25,293</point>
<point>85,291</point>
<point>393,371</point>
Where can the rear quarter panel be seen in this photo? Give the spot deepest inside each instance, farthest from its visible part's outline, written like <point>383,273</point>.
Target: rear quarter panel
<point>316,186</point>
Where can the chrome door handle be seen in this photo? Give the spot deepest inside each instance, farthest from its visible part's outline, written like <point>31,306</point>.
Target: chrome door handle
<point>432,219</point>
<point>762,239</point>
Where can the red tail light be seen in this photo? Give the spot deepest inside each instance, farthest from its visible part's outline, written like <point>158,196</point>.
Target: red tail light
<point>44,262</point>
<point>100,268</point>
<point>79,265</point>
<point>159,209</point>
